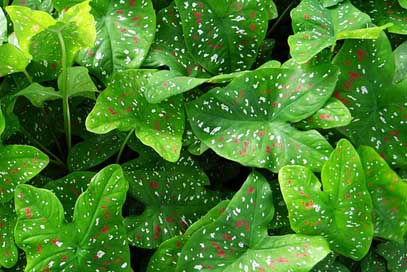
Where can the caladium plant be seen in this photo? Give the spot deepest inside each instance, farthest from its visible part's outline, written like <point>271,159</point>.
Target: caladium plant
<point>199,135</point>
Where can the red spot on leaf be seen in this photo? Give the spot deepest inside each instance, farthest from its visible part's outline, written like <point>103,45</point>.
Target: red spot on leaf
<point>157,231</point>
<point>131,3</point>
<point>112,112</point>
<point>28,213</point>
<point>360,54</point>
<point>120,12</point>
<point>104,229</point>
<point>250,190</point>
<point>252,27</point>
<point>154,184</point>
<point>39,248</point>
<point>325,117</point>
<point>221,139</point>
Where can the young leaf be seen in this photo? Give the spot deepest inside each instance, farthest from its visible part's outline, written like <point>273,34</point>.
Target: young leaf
<point>12,60</point>
<point>68,189</point>
<point>333,114</point>
<point>248,120</point>
<point>238,239</point>
<point>341,212</point>
<point>384,12</point>
<point>94,241</point>
<point>395,255</point>
<point>123,106</point>
<point>125,31</point>
<point>79,82</point>
<point>224,37</point>
<point>93,151</point>
<point>317,27</point>
<point>18,164</point>
<point>174,197</point>
<point>38,94</point>
<point>8,249</point>
<point>400,56</point>
<point>378,106</point>
<point>389,196</point>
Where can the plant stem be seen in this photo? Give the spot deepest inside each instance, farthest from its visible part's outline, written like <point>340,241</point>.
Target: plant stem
<point>124,145</point>
<point>65,98</point>
<point>27,75</point>
<point>281,17</point>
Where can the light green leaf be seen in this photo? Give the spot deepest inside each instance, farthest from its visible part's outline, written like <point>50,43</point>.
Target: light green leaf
<point>44,5</point>
<point>342,212</point>
<point>12,60</point>
<point>18,164</point>
<point>3,27</point>
<point>400,57</point>
<point>94,241</point>
<point>403,3</point>
<point>38,94</point>
<point>79,82</point>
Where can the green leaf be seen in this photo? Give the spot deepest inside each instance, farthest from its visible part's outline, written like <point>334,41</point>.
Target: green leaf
<point>174,197</point>
<point>93,151</point>
<point>2,122</point>
<point>378,106</point>
<point>12,60</point>
<point>400,56</point>
<point>373,263</point>
<point>248,121</point>
<point>330,3</point>
<point>125,32</point>
<point>333,114</point>
<point>94,241</point>
<point>224,37</point>
<point>316,27</point>
<point>38,94</point>
<point>79,82</point>
<point>18,164</point>
<point>389,196</point>
<point>68,189</point>
<point>403,3</point>
<point>44,5</point>
<point>169,251</point>
<point>341,212</point>
<point>61,5</point>
<point>123,106</point>
<point>27,24</point>
<point>8,249</point>
<point>384,12</point>
<point>3,27</point>
<point>238,239</point>
<point>395,255</point>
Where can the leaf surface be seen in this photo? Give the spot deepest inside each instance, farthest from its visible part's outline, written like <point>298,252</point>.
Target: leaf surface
<point>12,60</point>
<point>38,94</point>
<point>8,248</point>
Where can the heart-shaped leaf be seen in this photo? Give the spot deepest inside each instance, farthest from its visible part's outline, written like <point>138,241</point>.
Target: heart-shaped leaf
<point>383,12</point>
<point>12,60</point>
<point>224,37</point>
<point>18,164</point>
<point>78,82</point>
<point>123,106</point>
<point>8,249</point>
<point>395,255</point>
<point>125,32</point>
<point>333,114</point>
<point>238,239</point>
<point>341,212</point>
<point>389,196</point>
<point>95,240</point>
<point>38,94</point>
<point>248,120</point>
<point>174,197</point>
<point>378,107</point>
<point>317,27</point>
<point>400,56</point>
<point>169,251</point>
<point>68,189</point>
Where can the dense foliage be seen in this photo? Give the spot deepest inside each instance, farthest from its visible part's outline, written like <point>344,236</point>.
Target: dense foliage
<point>201,135</point>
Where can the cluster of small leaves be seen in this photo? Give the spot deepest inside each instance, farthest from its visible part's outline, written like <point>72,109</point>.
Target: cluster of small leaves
<point>162,135</point>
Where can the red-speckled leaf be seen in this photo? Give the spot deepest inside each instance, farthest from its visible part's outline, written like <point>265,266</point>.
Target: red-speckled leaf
<point>238,239</point>
<point>378,107</point>
<point>248,121</point>
<point>400,56</point>
<point>224,36</point>
<point>93,151</point>
<point>95,240</point>
<point>333,114</point>
<point>395,255</point>
<point>169,45</point>
<point>342,212</point>
<point>316,27</point>
<point>8,249</point>
<point>389,196</point>
<point>123,106</point>
<point>383,12</point>
<point>169,251</point>
<point>45,5</point>
<point>125,32</point>
<point>18,164</point>
<point>174,196</point>
<point>68,189</point>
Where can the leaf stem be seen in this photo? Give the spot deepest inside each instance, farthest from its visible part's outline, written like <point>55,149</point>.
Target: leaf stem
<point>27,75</point>
<point>65,98</point>
<point>124,145</point>
<point>281,17</point>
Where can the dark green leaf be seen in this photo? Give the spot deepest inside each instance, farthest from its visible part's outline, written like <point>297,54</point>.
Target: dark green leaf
<point>373,263</point>
<point>341,212</point>
<point>38,94</point>
<point>8,249</point>
<point>395,255</point>
<point>2,122</point>
<point>61,5</point>
<point>45,5</point>
<point>400,56</point>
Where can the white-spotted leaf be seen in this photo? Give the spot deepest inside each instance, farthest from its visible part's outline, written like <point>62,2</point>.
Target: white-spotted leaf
<point>400,57</point>
<point>341,212</point>
<point>12,59</point>
<point>395,255</point>
<point>38,94</point>
<point>8,248</point>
